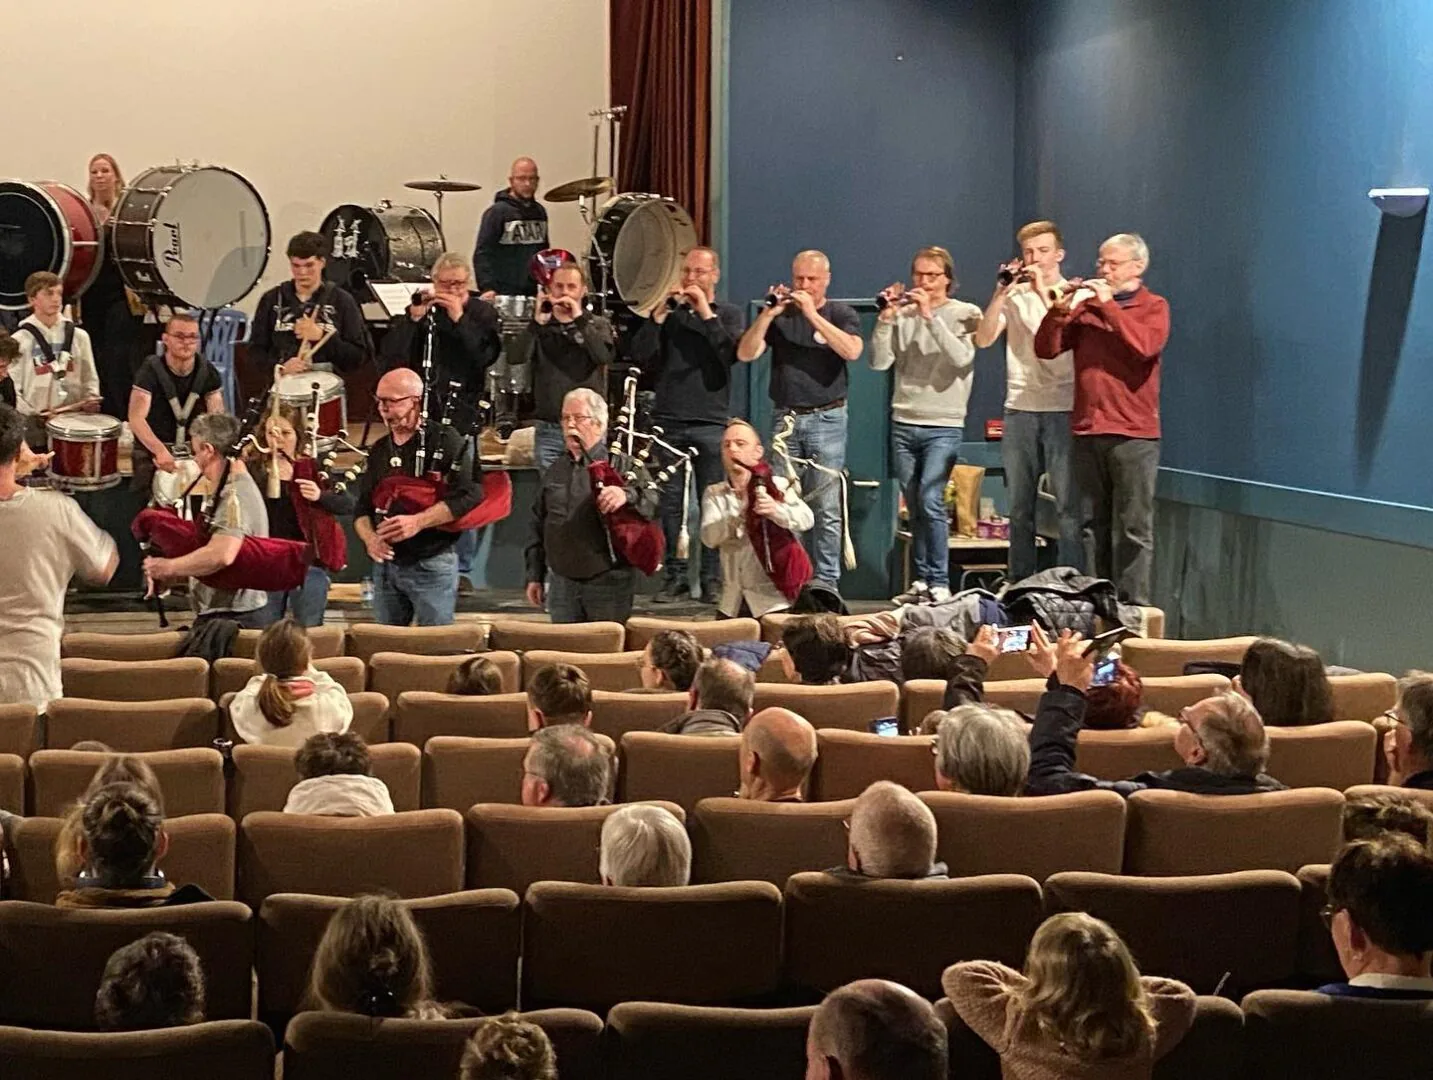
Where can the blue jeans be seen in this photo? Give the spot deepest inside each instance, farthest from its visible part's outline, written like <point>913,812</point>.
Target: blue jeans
<point>306,603</point>
<point>706,470</point>
<point>605,598</point>
<point>1036,442</point>
<point>547,443</point>
<point>820,436</point>
<point>425,591</point>
<point>924,457</point>
<point>467,549</point>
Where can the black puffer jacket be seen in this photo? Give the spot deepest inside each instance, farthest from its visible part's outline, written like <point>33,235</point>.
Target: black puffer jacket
<point>1062,598</point>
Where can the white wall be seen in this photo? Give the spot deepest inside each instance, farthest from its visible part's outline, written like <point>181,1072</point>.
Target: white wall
<point>316,102</point>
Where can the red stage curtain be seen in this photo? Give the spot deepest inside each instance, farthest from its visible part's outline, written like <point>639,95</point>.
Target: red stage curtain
<point>660,61</point>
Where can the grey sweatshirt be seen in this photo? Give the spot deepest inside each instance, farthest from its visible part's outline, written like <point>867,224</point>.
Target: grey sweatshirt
<point>934,360</point>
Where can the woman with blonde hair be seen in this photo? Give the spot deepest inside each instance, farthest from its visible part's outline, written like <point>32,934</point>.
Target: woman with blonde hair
<point>289,700</point>
<point>116,332</point>
<point>1080,1010</point>
<point>373,961</point>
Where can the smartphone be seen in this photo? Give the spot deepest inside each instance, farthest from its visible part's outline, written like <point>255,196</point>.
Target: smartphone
<point>1101,644</point>
<point>886,726</point>
<point>1012,639</point>
<point>1105,672</point>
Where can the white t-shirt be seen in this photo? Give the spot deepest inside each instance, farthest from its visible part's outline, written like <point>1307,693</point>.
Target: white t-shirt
<point>73,377</point>
<point>48,539</point>
<point>1033,385</point>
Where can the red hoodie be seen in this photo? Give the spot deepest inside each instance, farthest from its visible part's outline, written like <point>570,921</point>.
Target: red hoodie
<point>1117,347</point>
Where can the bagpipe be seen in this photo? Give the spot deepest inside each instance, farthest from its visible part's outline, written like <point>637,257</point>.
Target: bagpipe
<point>630,458</point>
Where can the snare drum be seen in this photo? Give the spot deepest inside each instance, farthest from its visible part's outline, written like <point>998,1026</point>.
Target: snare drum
<point>636,248</point>
<point>515,312</point>
<point>86,449</point>
<point>297,390</point>
<point>380,243</point>
<point>190,236</point>
<point>46,226</point>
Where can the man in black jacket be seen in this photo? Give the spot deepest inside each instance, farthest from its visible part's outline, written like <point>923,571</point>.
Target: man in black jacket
<point>513,230</point>
<point>590,581</point>
<point>302,309</point>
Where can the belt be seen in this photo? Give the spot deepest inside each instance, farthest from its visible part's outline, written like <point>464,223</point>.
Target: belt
<point>805,410</point>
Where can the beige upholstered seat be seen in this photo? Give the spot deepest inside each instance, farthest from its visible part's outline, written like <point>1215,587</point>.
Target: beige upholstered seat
<point>1318,959</point>
<point>135,680</point>
<point>420,715</point>
<point>614,671</point>
<point>18,730</point>
<point>218,1050</point>
<point>1336,755</point>
<point>522,635</point>
<point>370,717</point>
<point>12,783</point>
<point>614,714</point>
<point>681,768</point>
<point>192,781</point>
<point>160,645</point>
<point>772,625</point>
<point>1321,1037</point>
<point>262,776</point>
<point>852,706</point>
<point>326,641</point>
<point>848,762</point>
<point>1364,696</point>
<point>1118,755</point>
<point>391,673</point>
<point>708,632</point>
<point>1167,656</point>
<point>1417,794</point>
<point>744,840</point>
<point>459,771</point>
<point>132,727</point>
<point>230,674</point>
<point>366,639</point>
<point>987,834</point>
<point>694,1042</point>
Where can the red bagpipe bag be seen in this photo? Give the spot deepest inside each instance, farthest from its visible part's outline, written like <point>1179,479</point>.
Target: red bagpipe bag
<point>639,541</point>
<point>265,563</point>
<point>777,547</point>
<point>399,493</point>
<point>320,528</point>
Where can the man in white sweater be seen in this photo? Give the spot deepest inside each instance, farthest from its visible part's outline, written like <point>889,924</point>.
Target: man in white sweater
<point>929,338</point>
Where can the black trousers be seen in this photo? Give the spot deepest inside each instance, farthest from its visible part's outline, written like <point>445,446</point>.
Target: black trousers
<point>1115,478</point>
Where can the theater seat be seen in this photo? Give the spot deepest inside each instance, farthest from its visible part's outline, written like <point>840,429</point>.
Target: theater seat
<point>458,771</point>
<point>772,625</point>
<point>848,762</point>
<point>592,946</point>
<point>370,717</point>
<point>1416,794</point>
<point>1167,656</point>
<point>391,673</point>
<point>919,697</point>
<point>510,847</point>
<point>1336,755</point>
<point>614,671</point>
<point>1121,754</point>
<point>708,632</point>
<point>418,853</point>
<point>53,958</point>
<point>1318,959</point>
<point>218,1050</point>
<point>852,706</point>
<point>337,1046</point>
<point>522,635</point>
<point>420,715</point>
<point>1195,928</point>
<point>12,783</point>
<point>615,714</point>
<point>18,730</point>
<point>839,929</point>
<point>135,680</point>
<point>649,1039</point>
<point>1364,696</point>
<point>1173,832</point>
<point>988,834</point>
<point>160,645</point>
<point>201,852</point>
<point>1320,1037</point>
<point>192,781</point>
<point>366,639</point>
<point>326,641</point>
<point>744,840</point>
<point>133,727</point>
<point>230,674</point>
<point>262,776</point>
<point>682,768</point>
<point>473,938</point>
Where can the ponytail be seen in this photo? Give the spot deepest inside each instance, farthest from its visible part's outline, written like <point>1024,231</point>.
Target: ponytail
<point>284,652</point>
<point>276,702</point>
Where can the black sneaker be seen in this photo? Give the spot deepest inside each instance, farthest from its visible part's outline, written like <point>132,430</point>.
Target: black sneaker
<point>672,592</point>
<point>711,594</point>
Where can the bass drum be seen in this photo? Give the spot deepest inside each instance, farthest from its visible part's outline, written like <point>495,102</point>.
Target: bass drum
<point>46,226</point>
<point>380,243</point>
<point>190,236</point>
<point>636,248</point>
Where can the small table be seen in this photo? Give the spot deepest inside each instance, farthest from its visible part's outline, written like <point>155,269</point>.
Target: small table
<point>971,554</point>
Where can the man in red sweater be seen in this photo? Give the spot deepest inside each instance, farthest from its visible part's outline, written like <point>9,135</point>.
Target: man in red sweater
<point>1117,329</point>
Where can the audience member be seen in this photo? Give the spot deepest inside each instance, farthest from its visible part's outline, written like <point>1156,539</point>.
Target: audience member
<point>981,750</point>
<point>1408,747</point>
<point>883,647</point>
<point>814,650</point>
<point>508,1048</point>
<point>155,982</point>
<point>336,779</point>
<point>1286,683</point>
<point>1081,1008</point>
<point>1115,706</point>
<point>289,699</point>
<point>719,702</point>
<point>644,845</point>
<point>114,769</point>
<point>892,835</point>
<point>1367,817</point>
<point>122,839</point>
<point>1380,914</point>
<point>566,765</point>
<point>558,694</point>
<point>778,749</point>
<point>372,960</point>
<point>875,1030</point>
<point>1220,739</point>
<point>670,661</point>
<point>477,676</point>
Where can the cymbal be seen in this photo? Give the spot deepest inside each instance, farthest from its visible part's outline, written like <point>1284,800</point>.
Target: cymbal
<point>580,189</point>
<point>442,184</point>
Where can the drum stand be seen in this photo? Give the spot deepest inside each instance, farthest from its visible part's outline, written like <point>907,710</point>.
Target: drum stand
<point>587,206</point>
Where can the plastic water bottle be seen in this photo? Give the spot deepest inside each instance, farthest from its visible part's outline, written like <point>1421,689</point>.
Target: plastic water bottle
<point>365,591</point>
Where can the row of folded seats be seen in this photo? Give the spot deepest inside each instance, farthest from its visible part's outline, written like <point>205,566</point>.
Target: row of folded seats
<point>416,853</point>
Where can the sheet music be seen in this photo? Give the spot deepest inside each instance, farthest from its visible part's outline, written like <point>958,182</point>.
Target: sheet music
<point>395,296</point>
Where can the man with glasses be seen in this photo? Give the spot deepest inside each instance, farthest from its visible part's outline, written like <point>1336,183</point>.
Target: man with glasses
<point>570,542</point>
<point>415,566</point>
<point>512,231</point>
<point>1408,743</point>
<point>686,349</point>
<point>169,391</point>
<point>1117,330</point>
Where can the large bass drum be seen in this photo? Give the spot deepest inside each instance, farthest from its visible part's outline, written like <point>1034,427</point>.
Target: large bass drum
<point>190,235</point>
<point>46,226</point>
<point>636,248</point>
<point>380,243</point>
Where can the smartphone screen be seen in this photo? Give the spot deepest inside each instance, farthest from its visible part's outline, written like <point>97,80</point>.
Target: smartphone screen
<point>889,726</point>
<point>1013,639</point>
<point>1104,672</point>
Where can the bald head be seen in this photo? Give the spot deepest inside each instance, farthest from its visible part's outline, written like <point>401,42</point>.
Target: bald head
<point>875,1030</point>
<point>522,178</point>
<point>778,749</point>
<point>400,382</point>
<point>892,833</point>
<point>399,393</point>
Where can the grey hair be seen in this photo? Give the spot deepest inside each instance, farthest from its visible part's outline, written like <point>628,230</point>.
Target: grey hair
<point>812,253</point>
<point>983,750</point>
<point>452,260</point>
<point>573,763</point>
<point>880,1030</point>
<point>1234,740</point>
<point>594,401</point>
<point>892,832</point>
<point>1131,242</point>
<point>219,430</point>
<point>644,845</point>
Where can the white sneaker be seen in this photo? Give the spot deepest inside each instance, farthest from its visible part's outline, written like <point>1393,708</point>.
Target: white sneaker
<point>939,595</point>
<point>918,593</point>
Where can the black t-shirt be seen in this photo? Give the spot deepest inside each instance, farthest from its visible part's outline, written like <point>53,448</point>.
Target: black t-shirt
<point>283,518</point>
<point>203,380</point>
<point>807,373</point>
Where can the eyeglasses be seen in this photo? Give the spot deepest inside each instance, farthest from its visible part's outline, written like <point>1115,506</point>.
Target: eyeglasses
<point>928,273</point>
<point>579,418</point>
<point>1326,913</point>
<point>461,285</point>
<point>389,402</point>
